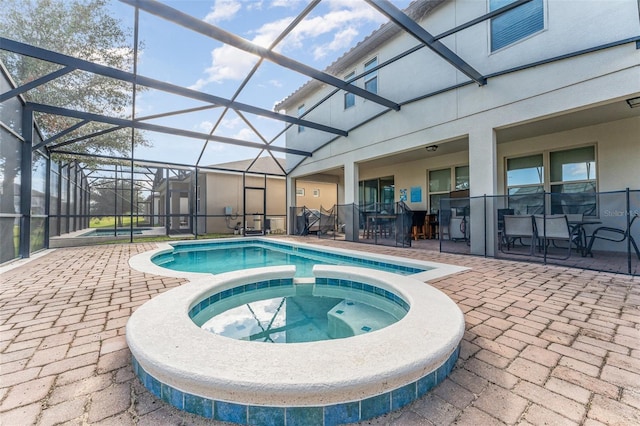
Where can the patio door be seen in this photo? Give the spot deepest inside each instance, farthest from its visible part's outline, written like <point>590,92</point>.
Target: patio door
<point>254,210</point>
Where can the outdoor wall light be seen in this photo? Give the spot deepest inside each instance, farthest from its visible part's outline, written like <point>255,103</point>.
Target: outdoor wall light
<point>432,148</point>
<point>634,102</point>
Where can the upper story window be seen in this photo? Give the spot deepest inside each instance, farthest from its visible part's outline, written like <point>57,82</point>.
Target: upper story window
<point>515,24</point>
<point>300,112</point>
<point>349,98</point>
<point>371,79</point>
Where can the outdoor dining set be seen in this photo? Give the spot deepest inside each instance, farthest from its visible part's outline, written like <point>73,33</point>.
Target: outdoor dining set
<point>563,232</point>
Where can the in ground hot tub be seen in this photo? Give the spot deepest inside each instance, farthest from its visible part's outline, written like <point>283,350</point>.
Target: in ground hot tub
<point>325,382</point>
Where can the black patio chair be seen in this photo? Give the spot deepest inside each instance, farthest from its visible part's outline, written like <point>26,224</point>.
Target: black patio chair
<point>613,234</point>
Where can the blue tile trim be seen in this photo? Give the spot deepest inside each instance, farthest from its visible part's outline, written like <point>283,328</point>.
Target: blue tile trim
<point>375,406</point>
<point>205,303</point>
<point>330,415</point>
<point>230,412</point>
<point>403,396</point>
<point>338,414</point>
<point>352,285</point>
<point>161,258</point>
<point>304,416</point>
<point>366,288</point>
<point>198,405</point>
<point>266,416</point>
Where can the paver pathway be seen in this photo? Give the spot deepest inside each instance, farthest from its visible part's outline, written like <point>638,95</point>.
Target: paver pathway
<point>543,344</point>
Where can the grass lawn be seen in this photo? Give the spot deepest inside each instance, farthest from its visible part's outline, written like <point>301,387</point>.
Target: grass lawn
<point>109,221</point>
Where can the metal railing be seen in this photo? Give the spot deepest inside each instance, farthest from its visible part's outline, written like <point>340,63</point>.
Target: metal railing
<point>386,224</point>
<point>596,230</point>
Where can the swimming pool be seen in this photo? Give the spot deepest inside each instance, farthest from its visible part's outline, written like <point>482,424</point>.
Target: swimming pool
<point>216,257</point>
<point>109,232</point>
<point>321,383</point>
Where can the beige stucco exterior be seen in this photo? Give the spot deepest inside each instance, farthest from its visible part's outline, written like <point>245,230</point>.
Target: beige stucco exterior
<point>263,198</point>
<point>316,194</point>
<point>527,106</point>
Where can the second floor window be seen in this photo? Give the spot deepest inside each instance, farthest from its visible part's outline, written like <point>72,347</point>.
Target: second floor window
<point>371,79</point>
<point>300,112</point>
<point>349,98</point>
<point>515,24</point>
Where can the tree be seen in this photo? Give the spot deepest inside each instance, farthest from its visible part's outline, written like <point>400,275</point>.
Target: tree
<point>83,29</point>
<point>79,28</point>
<point>111,197</point>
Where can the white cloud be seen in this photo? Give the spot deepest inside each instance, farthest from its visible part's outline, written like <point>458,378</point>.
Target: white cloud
<point>205,126</point>
<point>284,3</point>
<point>246,134</point>
<point>231,123</point>
<point>343,18</point>
<point>223,10</point>
<point>228,63</point>
<point>254,5</point>
<point>217,146</point>
<point>341,40</point>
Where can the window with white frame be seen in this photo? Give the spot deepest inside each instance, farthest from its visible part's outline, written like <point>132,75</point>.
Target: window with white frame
<point>300,192</point>
<point>440,184</point>
<point>371,79</point>
<point>349,98</point>
<point>525,184</point>
<point>572,181</point>
<point>516,23</point>
<point>569,175</point>
<point>316,193</point>
<point>300,112</point>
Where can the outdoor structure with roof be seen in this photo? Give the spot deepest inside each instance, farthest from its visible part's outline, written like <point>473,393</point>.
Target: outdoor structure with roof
<point>528,106</point>
<point>531,112</point>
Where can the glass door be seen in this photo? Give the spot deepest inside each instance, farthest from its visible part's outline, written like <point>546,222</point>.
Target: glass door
<point>254,211</point>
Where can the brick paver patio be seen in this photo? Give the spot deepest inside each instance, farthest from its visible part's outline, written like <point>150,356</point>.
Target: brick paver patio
<point>543,344</point>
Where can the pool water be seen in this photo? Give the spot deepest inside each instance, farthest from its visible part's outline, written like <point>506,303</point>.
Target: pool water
<point>217,258</point>
<point>294,319</point>
<point>281,313</point>
<point>103,232</point>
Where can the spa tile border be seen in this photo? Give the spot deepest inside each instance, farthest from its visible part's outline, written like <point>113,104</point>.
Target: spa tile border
<point>330,415</point>
<point>320,282</point>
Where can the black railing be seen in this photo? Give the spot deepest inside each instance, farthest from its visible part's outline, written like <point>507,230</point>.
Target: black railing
<point>594,231</point>
<point>383,224</point>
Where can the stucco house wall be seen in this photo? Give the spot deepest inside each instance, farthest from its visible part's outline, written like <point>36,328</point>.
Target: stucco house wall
<point>565,102</point>
<point>225,189</point>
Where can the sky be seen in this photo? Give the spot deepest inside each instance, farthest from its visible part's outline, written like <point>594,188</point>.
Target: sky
<point>180,56</point>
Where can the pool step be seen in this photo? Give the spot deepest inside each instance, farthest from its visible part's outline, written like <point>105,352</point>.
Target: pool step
<point>349,318</point>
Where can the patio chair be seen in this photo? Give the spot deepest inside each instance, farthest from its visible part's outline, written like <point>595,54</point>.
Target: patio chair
<point>418,225</point>
<point>555,228</point>
<point>501,214</point>
<point>575,223</point>
<point>445,220</point>
<point>609,234</point>
<point>431,225</point>
<point>517,227</point>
